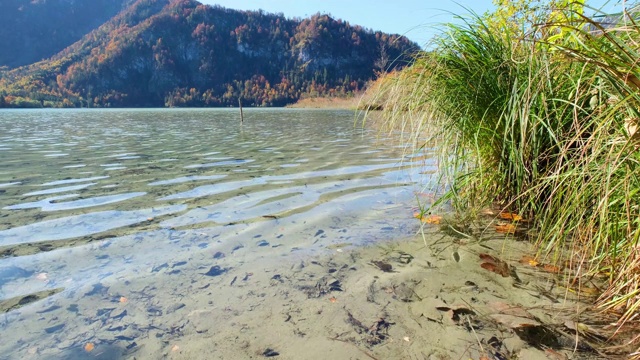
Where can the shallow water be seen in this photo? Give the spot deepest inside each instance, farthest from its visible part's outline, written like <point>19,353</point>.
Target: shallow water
<point>102,207</point>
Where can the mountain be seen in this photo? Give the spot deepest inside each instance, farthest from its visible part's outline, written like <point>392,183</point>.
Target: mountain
<point>32,30</point>
<point>183,53</point>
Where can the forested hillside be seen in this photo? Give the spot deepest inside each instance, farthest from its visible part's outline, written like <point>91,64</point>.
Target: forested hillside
<point>183,53</point>
<point>32,30</point>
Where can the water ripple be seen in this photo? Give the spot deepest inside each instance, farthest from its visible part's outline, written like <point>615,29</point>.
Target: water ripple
<point>81,225</point>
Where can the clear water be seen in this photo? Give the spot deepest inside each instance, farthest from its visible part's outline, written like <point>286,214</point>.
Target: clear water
<point>98,206</point>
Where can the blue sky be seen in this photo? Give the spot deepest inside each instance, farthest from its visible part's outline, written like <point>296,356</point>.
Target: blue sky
<point>413,18</point>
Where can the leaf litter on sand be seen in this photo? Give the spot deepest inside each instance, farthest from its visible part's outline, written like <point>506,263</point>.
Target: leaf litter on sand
<point>495,265</point>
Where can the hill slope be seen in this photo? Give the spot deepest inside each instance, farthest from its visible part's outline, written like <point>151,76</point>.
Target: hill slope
<point>32,30</point>
<point>183,53</point>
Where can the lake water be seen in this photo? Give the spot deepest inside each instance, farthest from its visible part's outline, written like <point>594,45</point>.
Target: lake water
<point>113,222</point>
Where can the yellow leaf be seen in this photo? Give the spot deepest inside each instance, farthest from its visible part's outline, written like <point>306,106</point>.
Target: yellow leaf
<point>528,260</point>
<point>428,219</point>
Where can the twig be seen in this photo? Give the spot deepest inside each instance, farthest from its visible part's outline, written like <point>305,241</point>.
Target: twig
<point>475,334</point>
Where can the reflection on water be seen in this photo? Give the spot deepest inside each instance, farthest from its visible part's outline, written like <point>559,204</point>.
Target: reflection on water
<point>98,204</point>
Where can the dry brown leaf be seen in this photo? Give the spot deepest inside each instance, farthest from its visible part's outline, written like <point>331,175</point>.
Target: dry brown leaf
<point>509,216</point>
<point>495,268</point>
<point>333,299</point>
<point>489,258</point>
<point>175,348</point>
<point>506,228</point>
<point>89,347</point>
<point>495,265</point>
<point>123,299</point>
<point>550,268</point>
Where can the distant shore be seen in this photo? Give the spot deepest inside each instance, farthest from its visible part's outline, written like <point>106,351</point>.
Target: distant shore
<point>347,103</point>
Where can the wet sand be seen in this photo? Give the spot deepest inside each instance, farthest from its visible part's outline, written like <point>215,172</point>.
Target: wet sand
<point>398,300</point>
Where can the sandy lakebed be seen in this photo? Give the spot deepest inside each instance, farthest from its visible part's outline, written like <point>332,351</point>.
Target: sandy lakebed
<point>177,234</point>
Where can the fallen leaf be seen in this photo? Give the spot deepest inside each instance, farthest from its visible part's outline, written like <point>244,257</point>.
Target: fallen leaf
<point>487,257</point>
<point>550,268</point>
<point>493,268</point>
<point>150,219</point>
<point>123,299</point>
<point>528,260</point>
<point>333,299</point>
<point>495,265</point>
<point>406,338</point>
<point>506,228</point>
<point>175,348</point>
<point>428,219</point>
<point>89,347</point>
<point>509,216</point>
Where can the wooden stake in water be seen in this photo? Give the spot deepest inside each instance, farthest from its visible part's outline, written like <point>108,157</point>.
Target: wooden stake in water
<point>241,114</point>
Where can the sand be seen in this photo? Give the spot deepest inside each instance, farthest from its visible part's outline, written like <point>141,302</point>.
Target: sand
<point>420,298</point>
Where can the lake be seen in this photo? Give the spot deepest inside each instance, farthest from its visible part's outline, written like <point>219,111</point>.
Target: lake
<point>117,226</point>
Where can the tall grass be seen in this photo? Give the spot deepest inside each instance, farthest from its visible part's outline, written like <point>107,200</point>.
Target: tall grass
<point>537,113</point>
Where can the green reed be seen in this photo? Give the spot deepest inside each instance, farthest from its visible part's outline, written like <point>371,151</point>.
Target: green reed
<point>537,114</point>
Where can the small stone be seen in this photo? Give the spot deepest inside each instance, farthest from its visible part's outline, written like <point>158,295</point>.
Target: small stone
<point>216,271</point>
<point>270,353</point>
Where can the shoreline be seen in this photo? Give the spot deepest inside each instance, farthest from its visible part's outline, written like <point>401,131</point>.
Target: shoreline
<point>350,103</point>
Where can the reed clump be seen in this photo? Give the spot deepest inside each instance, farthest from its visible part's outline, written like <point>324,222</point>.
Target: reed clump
<point>536,107</point>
